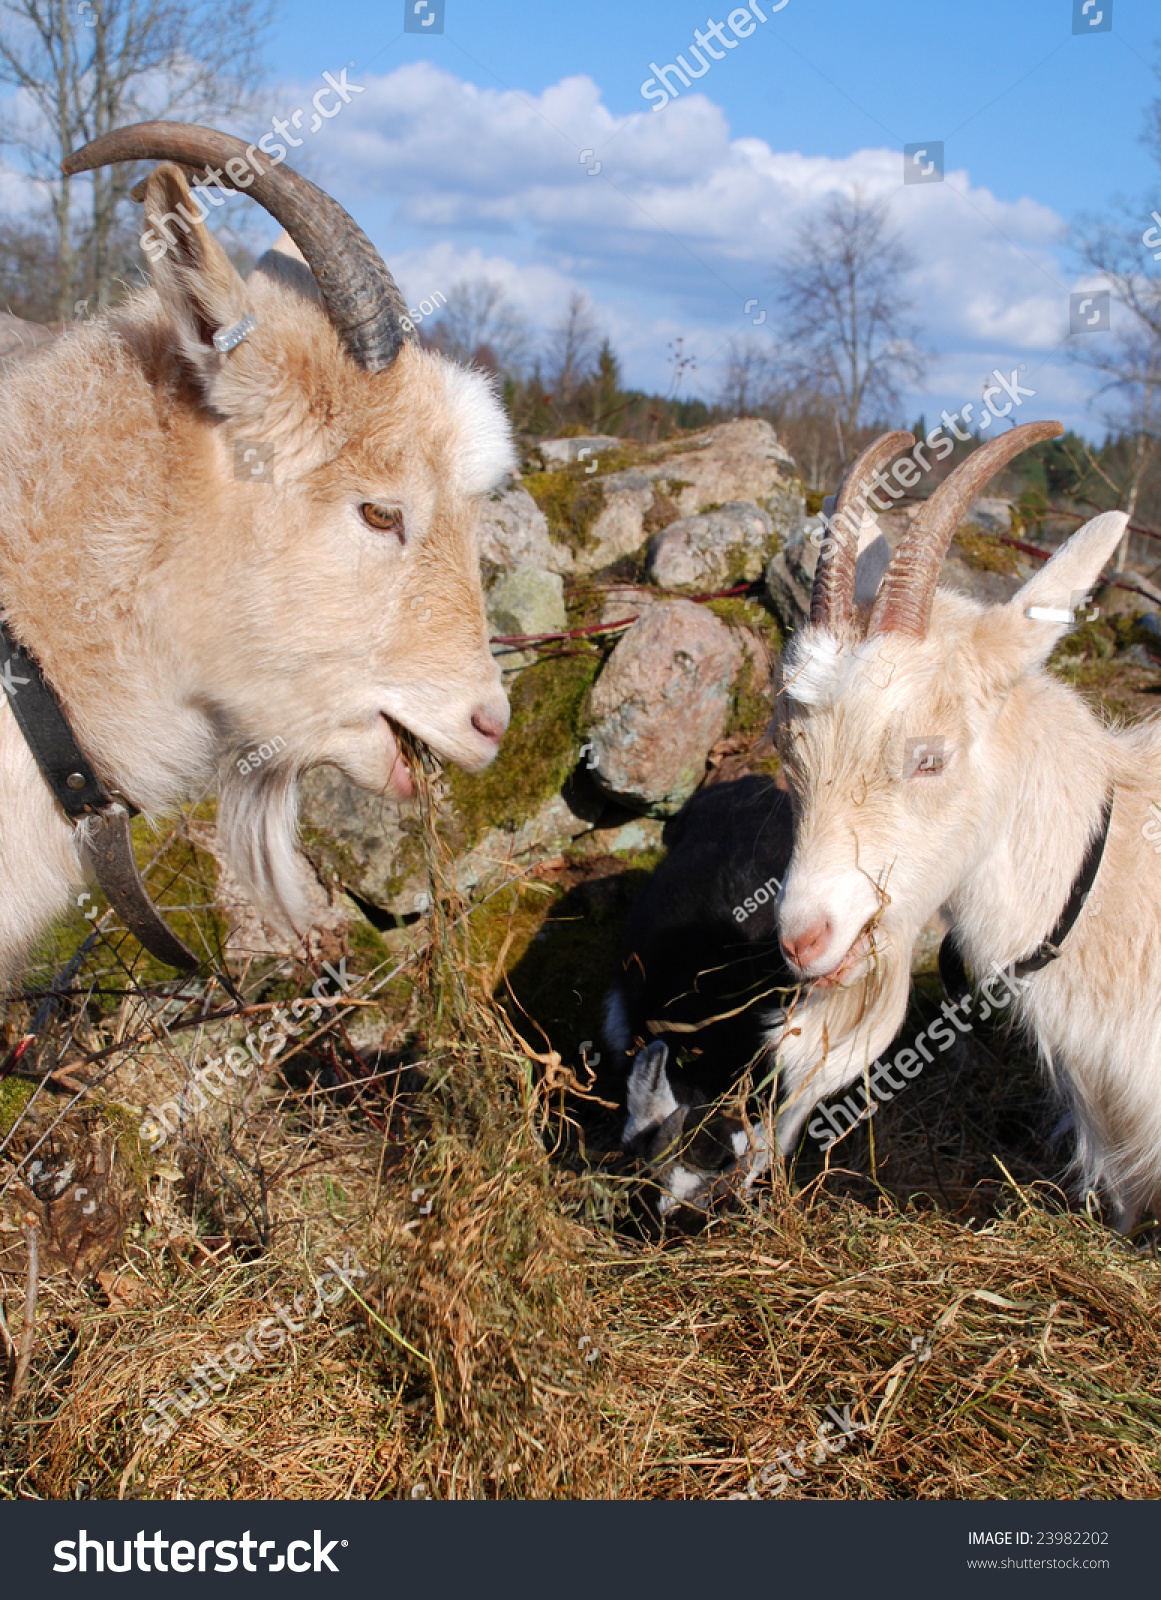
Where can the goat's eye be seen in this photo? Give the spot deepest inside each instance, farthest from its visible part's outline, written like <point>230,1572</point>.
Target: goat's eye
<point>382,519</point>
<point>924,757</point>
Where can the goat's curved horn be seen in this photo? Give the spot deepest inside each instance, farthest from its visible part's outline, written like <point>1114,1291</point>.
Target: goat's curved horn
<point>832,598</point>
<point>903,604</point>
<point>361,297</point>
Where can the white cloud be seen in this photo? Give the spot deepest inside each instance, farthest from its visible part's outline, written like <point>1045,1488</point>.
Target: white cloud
<point>682,225</point>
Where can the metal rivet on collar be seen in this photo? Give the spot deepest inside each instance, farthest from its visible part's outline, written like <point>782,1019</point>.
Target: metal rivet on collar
<point>76,780</point>
<point>227,339</point>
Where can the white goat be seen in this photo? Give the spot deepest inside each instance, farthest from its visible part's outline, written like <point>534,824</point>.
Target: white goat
<point>994,827</point>
<point>183,611</point>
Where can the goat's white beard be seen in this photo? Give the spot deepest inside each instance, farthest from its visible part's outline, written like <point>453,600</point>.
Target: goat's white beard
<point>837,1032</point>
<point>258,831</point>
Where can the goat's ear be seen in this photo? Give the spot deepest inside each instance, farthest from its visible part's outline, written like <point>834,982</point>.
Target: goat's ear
<point>650,1098</point>
<point>196,280</point>
<point>1054,596</point>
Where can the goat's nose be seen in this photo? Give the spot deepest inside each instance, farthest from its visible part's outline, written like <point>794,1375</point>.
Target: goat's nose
<point>810,944</point>
<point>488,722</point>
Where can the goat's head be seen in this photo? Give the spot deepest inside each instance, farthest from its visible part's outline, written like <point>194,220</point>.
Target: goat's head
<point>890,716</point>
<point>330,473</point>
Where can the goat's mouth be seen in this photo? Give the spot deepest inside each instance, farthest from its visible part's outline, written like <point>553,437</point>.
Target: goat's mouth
<point>850,963</point>
<point>400,783</point>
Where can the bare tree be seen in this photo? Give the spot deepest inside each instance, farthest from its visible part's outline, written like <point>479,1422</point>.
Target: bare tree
<point>83,69</point>
<point>846,317</point>
<point>749,382</point>
<point>479,323</point>
<point>573,349</point>
<point>1126,364</point>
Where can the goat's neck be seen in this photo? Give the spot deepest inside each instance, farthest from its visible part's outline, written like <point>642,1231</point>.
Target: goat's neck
<point>1045,772</point>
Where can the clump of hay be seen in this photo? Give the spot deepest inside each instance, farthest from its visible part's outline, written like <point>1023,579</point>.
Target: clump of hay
<point>499,1337</point>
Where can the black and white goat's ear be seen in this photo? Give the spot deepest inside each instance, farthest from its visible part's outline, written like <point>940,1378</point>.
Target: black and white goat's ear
<point>651,1100</point>
<point>1020,636</point>
<point>193,275</point>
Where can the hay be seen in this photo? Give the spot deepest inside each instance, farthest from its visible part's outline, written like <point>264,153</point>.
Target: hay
<point>504,1338</point>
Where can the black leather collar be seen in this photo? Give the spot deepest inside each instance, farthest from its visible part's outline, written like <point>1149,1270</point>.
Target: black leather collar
<point>106,838</point>
<point>951,966</point>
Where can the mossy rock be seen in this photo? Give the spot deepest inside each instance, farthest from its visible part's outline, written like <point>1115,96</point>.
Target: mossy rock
<point>571,503</point>
<point>538,752</point>
<point>572,497</point>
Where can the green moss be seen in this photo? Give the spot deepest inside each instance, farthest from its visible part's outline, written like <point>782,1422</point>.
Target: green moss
<point>124,1123</point>
<point>738,612</point>
<point>986,554</point>
<point>1094,641</point>
<point>177,873</point>
<point>814,499</point>
<point>752,706</point>
<point>15,1094</point>
<point>182,875</point>
<point>366,947</point>
<point>570,501</point>
<point>539,750</point>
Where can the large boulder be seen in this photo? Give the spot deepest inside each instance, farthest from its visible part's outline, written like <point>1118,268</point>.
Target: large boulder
<point>526,600</point>
<point>514,532</point>
<point>612,514</point>
<point>619,528</point>
<point>741,460</point>
<point>662,700</point>
<point>362,842</point>
<point>713,549</point>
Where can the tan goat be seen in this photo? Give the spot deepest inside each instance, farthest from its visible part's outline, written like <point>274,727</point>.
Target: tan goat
<point>186,608</point>
<point>994,825</point>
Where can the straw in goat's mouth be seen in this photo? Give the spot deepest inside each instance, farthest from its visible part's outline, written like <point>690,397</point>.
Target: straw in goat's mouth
<point>423,766</point>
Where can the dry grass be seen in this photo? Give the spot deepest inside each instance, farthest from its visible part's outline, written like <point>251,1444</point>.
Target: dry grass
<point>505,1339</point>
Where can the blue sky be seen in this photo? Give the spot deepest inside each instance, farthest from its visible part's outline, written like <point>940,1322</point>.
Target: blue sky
<point>462,157</point>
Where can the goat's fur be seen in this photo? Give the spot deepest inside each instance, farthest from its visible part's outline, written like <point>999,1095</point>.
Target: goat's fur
<point>183,613</point>
<point>996,838</point>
